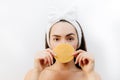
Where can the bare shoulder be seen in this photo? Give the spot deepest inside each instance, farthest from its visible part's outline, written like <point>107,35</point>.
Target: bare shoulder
<point>88,76</point>
<point>94,76</point>
<point>29,73</point>
<point>51,74</point>
<point>97,76</point>
<point>48,74</point>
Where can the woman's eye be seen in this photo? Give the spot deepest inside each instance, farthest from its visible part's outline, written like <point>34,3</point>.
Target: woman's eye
<point>56,39</point>
<point>70,39</point>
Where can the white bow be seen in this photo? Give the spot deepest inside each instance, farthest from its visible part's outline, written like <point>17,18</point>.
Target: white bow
<point>56,15</point>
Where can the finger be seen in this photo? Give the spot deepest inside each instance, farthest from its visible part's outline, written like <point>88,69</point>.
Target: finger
<point>50,55</point>
<point>76,61</point>
<point>80,60</point>
<point>51,58</point>
<point>81,63</point>
<point>40,55</point>
<point>77,58</point>
<point>45,60</point>
<point>78,52</point>
<point>85,59</point>
<point>51,52</point>
<point>39,60</point>
<point>48,60</point>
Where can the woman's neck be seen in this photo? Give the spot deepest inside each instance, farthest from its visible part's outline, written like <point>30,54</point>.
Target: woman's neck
<point>65,66</point>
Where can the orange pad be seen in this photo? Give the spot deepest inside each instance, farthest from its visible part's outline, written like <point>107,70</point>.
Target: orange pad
<point>63,53</point>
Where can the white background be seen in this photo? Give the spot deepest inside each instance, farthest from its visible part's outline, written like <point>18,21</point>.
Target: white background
<point>22,29</point>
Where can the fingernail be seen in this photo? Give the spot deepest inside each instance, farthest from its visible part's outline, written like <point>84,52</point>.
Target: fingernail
<point>75,62</point>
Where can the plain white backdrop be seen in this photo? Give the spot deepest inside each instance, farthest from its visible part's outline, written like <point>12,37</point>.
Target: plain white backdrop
<point>22,30</point>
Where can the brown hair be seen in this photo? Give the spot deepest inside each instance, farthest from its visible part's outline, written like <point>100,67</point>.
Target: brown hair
<point>83,43</point>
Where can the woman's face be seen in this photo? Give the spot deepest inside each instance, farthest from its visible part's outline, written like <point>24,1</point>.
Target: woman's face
<point>63,32</point>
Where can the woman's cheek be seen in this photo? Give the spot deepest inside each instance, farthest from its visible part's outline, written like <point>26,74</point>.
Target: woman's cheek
<point>74,46</point>
<point>54,44</point>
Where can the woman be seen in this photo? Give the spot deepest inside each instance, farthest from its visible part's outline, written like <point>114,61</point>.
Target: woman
<point>64,30</point>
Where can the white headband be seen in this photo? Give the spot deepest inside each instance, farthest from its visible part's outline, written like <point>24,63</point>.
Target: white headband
<point>69,16</point>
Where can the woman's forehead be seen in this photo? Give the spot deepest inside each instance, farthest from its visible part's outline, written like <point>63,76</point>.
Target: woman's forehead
<point>62,28</point>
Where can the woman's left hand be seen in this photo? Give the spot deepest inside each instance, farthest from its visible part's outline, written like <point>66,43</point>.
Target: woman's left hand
<point>85,60</point>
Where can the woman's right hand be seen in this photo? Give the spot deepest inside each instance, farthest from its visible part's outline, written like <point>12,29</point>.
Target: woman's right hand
<point>43,59</point>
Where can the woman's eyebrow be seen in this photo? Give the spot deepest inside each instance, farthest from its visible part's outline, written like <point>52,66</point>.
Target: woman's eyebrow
<point>56,35</point>
<point>66,35</point>
<point>70,34</point>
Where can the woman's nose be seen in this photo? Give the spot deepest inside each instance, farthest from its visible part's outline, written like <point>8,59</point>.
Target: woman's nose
<point>63,41</point>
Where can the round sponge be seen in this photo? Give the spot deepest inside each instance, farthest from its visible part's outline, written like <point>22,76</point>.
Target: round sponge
<point>64,53</point>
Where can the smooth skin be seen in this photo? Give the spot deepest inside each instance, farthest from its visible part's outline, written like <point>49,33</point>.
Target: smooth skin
<point>44,69</point>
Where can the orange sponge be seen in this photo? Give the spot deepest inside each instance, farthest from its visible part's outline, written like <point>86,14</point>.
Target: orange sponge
<point>63,53</point>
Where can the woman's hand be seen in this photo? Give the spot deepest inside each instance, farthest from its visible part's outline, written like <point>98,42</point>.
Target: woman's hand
<point>43,59</point>
<point>85,60</point>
